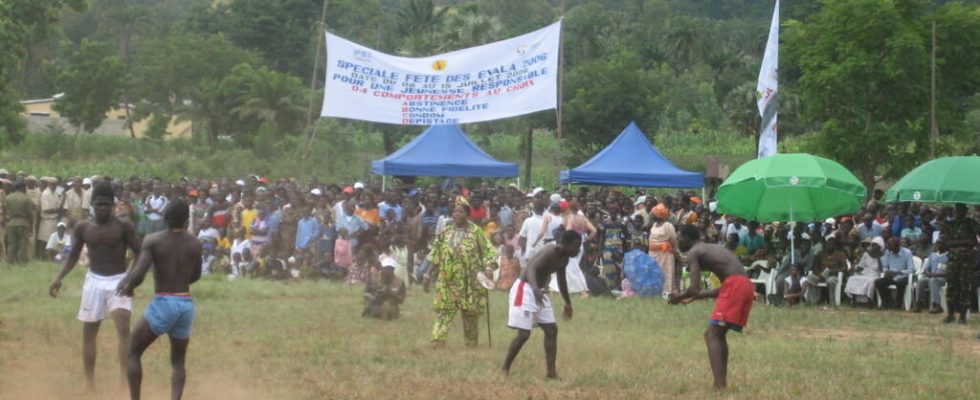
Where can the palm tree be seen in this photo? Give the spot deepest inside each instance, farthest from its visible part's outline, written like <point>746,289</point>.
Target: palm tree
<point>418,22</point>
<point>470,29</point>
<point>274,98</point>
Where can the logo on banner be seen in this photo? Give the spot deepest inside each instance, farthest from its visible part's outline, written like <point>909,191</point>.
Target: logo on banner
<point>362,55</point>
<point>522,49</point>
<point>439,65</point>
<point>917,195</point>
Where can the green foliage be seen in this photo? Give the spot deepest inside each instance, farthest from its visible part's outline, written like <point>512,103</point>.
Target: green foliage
<point>864,73</point>
<point>157,128</point>
<point>269,97</point>
<point>685,70</point>
<point>91,81</point>
<point>21,23</point>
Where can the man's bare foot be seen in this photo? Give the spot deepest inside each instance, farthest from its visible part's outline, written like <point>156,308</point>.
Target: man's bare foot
<point>437,344</point>
<point>553,376</point>
<point>505,371</point>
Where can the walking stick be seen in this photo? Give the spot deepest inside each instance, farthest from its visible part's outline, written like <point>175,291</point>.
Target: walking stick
<point>489,339</point>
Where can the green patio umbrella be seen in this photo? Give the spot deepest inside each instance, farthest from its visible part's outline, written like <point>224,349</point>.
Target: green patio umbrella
<point>947,180</point>
<point>790,187</point>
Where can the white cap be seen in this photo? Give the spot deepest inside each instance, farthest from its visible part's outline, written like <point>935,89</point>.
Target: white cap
<point>316,191</point>
<point>87,181</point>
<point>555,198</point>
<point>640,200</point>
<point>712,206</point>
<point>240,182</point>
<point>535,192</point>
<point>830,221</point>
<point>62,224</point>
<point>358,185</point>
<point>388,262</point>
<point>514,185</point>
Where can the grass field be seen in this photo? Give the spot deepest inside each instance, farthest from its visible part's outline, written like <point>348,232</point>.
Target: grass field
<point>306,340</point>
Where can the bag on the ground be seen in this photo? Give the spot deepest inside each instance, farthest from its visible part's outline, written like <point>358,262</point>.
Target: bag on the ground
<point>643,273</point>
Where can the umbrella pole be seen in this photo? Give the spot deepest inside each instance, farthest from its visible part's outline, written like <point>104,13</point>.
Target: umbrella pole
<point>792,235</point>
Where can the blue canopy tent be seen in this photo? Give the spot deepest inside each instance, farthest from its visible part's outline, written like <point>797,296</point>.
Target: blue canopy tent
<point>442,150</point>
<point>631,160</point>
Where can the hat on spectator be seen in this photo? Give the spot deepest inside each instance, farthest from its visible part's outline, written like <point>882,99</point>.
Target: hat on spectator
<point>348,189</point>
<point>640,200</point>
<point>555,198</point>
<point>388,262</point>
<point>830,221</point>
<point>240,182</point>
<point>535,191</point>
<point>4,172</point>
<point>695,200</point>
<point>87,181</point>
<point>264,181</point>
<point>62,224</point>
<point>31,178</point>
<point>513,185</point>
<point>316,191</point>
<point>193,193</point>
<point>660,210</point>
<point>878,241</point>
<point>358,185</point>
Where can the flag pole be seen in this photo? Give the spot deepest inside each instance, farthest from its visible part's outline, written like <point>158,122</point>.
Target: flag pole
<point>316,67</point>
<point>558,109</point>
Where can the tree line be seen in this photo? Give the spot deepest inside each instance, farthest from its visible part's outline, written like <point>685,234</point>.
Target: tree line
<point>854,74</point>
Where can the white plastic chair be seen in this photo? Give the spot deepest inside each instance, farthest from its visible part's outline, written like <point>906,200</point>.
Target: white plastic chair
<point>836,295</point>
<point>766,277</point>
<point>906,298</point>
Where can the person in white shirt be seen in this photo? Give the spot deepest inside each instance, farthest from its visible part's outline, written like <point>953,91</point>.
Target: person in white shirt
<point>529,231</point>
<point>59,243</point>
<point>154,205</point>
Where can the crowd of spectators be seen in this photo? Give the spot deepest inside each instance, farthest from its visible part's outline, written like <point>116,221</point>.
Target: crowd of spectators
<point>289,229</point>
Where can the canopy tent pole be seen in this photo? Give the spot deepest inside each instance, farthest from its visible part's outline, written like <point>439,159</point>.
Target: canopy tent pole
<point>384,182</point>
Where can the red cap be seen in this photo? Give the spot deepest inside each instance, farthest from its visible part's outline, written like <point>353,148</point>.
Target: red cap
<point>348,189</point>
<point>193,193</point>
<point>264,181</point>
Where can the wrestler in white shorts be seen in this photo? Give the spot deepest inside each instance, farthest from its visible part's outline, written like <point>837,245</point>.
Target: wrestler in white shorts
<point>99,297</point>
<point>524,310</point>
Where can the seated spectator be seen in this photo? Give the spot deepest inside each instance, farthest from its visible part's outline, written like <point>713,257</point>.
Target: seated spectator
<point>383,293</point>
<point>239,246</point>
<point>860,286</point>
<point>208,233</point>
<point>933,277</point>
<point>898,265</point>
<point>803,258</point>
<point>59,243</point>
<point>510,268</point>
<point>826,265</point>
<point>910,232</point>
<point>752,241</point>
<point>794,286</point>
<point>870,228</point>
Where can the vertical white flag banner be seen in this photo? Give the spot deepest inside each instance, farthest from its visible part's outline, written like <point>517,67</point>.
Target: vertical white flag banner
<point>511,77</point>
<point>768,89</point>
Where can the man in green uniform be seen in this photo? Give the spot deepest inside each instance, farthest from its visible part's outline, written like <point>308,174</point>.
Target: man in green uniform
<point>17,219</point>
<point>960,236</point>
